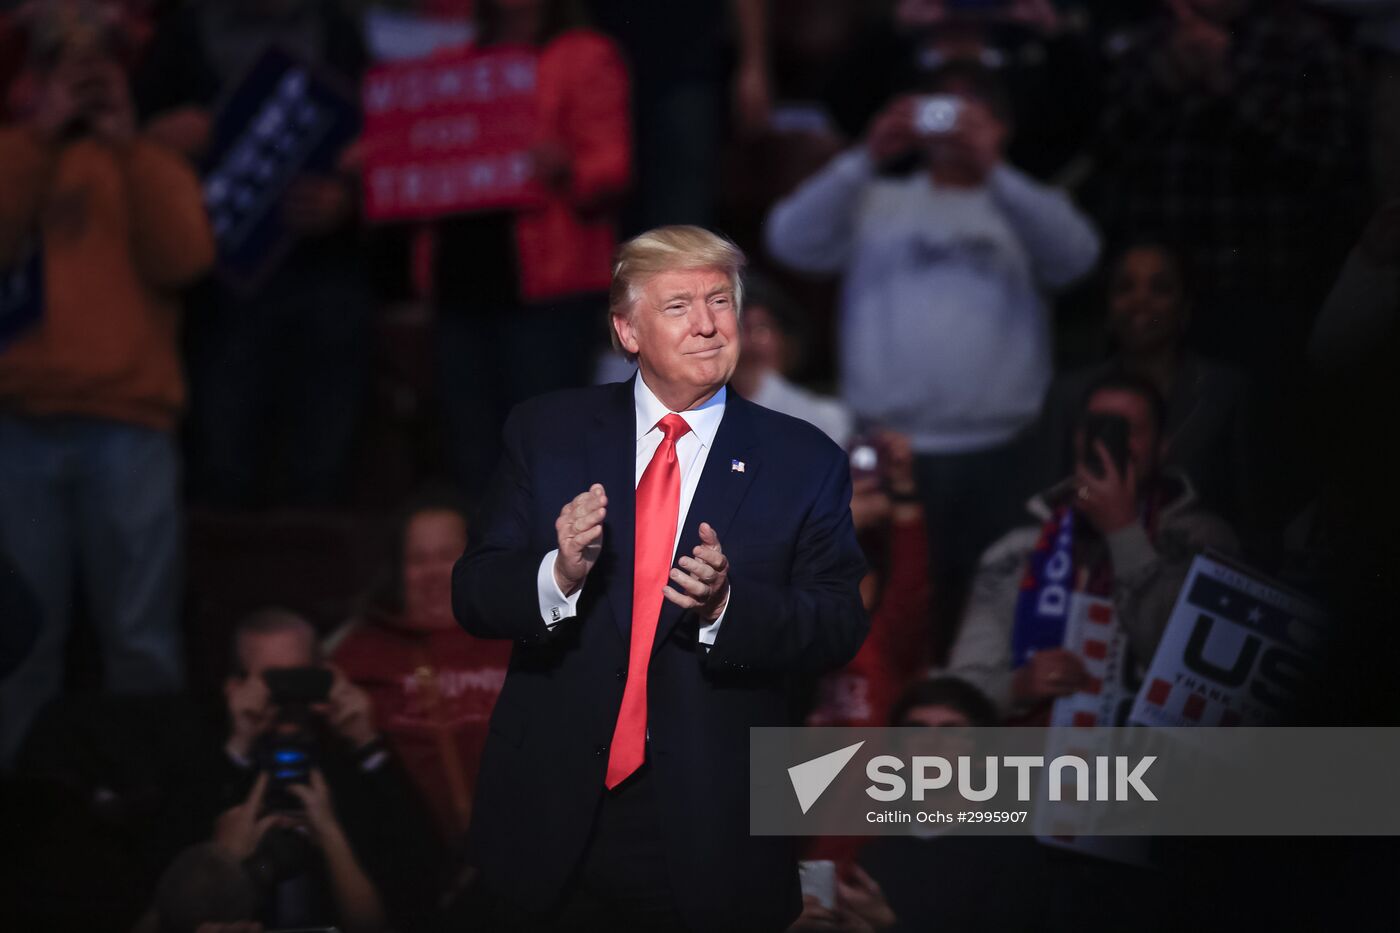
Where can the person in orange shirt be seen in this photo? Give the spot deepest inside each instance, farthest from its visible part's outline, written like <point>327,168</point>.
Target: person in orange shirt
<point>433,686</point>
<point>91,390</point>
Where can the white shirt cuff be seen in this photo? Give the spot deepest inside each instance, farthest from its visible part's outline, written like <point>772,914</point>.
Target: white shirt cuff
<point>555,607</point>
<point>708,634</point>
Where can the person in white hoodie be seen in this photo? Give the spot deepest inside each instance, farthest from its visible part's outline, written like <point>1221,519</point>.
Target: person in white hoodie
<point>945,327</point>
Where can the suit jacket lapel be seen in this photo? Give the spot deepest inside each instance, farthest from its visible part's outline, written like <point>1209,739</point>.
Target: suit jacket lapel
<point>612,459</point>
<point>722,487</point>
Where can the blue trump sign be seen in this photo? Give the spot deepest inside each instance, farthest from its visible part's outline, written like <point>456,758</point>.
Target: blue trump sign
<point>282,120</point>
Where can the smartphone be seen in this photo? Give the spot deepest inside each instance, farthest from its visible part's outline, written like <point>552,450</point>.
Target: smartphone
<point>865,457</point>
<point>1112,431</point>
<point>937,114</point>
<point>288,751</point>
<point>288,758</point>
<point>818,880</point>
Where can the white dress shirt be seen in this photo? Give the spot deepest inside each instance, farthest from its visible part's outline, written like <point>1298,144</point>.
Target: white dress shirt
<point>692,450</point>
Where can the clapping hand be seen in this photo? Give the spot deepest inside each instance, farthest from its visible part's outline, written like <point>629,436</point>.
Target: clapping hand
<point>701,582</point>
<point>579,530</point>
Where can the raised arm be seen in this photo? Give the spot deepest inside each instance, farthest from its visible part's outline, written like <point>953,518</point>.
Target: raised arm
<point>170,233</point>
<point>813,228</point>
<point>1062,242</point>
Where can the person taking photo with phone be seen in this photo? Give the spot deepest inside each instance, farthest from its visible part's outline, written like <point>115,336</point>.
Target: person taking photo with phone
<point>1120,530</point>
<point>1211,432</point>
<point>948,254</point>
<point>1043,51</point>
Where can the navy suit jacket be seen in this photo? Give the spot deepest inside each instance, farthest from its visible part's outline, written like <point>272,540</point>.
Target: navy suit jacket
<point>784,522</point>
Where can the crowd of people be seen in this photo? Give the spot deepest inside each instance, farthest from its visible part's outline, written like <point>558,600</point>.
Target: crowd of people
<point>1107,281</point>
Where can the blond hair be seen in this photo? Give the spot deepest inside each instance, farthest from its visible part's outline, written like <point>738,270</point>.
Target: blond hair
<point>669,249</point>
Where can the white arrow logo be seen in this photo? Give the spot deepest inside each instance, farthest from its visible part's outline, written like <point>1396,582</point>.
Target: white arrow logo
<point>811,778</point>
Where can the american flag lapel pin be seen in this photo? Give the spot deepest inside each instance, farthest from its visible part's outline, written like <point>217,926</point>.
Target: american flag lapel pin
<point>736,466</point>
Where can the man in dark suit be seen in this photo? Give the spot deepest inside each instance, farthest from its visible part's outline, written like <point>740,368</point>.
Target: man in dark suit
<point>704,552</point>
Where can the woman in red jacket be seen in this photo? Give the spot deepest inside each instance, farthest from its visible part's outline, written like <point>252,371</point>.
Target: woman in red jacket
<point>433,686</point>
<point>522,294</point>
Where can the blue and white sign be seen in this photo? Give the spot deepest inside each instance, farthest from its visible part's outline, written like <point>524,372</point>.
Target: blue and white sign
<point>284,119</point>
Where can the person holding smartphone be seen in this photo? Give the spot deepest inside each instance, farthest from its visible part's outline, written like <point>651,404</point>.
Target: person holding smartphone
<point>945,316</point>
<point>1044,52</point>
<point>1210,432</point>
<point>1120,530</point>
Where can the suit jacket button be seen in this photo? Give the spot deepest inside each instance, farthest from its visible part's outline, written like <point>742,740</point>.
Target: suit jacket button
<point>621,674</point>
<point>600,750</point>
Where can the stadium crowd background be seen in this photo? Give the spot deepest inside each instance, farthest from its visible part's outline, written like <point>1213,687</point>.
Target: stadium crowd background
<point>1180,214</point>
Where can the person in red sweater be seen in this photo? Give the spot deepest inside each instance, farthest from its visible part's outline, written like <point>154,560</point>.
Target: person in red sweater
<point>433,686</point>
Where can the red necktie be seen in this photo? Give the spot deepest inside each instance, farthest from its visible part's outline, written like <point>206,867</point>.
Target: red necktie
<point>658,501</point>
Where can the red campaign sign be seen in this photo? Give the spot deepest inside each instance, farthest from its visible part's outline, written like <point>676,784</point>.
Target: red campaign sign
<point>450,134</point>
